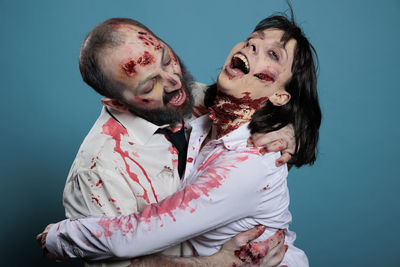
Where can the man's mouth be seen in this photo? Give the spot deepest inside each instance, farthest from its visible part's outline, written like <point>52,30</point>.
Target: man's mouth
<point>178,98</point>
<point>240,64</point>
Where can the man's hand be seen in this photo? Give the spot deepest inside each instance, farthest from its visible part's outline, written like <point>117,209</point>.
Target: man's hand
<point>41,239</point>
<point>268,253</point>
<point>282,140</point>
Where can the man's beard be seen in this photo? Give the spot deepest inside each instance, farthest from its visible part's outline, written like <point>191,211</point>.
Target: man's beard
<point>169,115</point>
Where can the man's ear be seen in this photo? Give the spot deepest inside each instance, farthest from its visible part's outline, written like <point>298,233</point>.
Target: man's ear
<point>280,98</point>
<point>114,104</point>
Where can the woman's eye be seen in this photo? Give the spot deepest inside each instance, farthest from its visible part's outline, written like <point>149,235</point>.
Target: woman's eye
<point>274,55</point>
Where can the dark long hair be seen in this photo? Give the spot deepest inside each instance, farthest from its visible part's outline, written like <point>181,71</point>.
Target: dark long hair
<point>303,110</point>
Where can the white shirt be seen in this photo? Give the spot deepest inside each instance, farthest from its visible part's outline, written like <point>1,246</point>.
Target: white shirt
<point>229,189</point>
<point>122,167</point>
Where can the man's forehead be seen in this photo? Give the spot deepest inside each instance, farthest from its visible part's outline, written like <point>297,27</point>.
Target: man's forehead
<point>122,26</point>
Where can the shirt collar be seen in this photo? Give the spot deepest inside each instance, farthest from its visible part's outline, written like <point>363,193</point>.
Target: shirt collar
<point>139,129</point>
<point>232,141</point>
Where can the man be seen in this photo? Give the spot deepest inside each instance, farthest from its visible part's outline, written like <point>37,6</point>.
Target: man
<point>123,164</point>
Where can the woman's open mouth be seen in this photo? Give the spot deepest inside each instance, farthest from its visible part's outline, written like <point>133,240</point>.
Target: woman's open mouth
<point>239,66</point>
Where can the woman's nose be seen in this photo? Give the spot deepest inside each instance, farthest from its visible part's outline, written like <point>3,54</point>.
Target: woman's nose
<point>252,46</point>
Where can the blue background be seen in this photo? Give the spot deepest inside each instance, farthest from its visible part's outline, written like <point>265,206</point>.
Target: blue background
<point>345,208</point>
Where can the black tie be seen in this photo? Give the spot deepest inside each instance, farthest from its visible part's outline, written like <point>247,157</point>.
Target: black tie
<point>178,139</point>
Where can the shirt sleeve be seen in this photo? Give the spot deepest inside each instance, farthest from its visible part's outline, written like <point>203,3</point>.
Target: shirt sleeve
<point>97,192</point>
<point>223,192</point>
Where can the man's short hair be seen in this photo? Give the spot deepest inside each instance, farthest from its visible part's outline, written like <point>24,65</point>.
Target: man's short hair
<point>104,35</point>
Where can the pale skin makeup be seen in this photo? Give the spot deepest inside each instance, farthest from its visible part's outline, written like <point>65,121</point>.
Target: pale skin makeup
<point>255,70</point>
<point>146,67</point>
<point>268,67</point>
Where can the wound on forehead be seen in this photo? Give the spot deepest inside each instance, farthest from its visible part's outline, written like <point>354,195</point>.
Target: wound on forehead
<point>129,67</point>
<point>146,59</point>
<point>148,40</point>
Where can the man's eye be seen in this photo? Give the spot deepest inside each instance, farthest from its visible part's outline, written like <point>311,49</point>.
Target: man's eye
<point>148,87</point>
<point>167,59</point>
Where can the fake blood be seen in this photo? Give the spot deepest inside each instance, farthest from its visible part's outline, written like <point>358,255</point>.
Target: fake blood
<point>148,40</point>
<point>116,131</point>
<point>94,165</point>
<point>228,112</point>
<point>211,178</point>
<point>97,201</point>
<point>199,111</point>
<point>143,60</point>
<point>129,68</point>
<point>251,252</point>
<point>146,59</point>
<point>265,77</point>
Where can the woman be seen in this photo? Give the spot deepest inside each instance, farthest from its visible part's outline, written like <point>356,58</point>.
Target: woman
<point>267,82</point>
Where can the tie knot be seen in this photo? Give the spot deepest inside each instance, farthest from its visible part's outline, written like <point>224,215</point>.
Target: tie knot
<point>178,139</point>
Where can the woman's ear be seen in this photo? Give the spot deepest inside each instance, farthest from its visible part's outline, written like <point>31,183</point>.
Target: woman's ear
<point>114,104</point>
<point>280,98</point>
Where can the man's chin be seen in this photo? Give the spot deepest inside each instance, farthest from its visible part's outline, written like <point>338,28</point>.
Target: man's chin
<point>161,116</point>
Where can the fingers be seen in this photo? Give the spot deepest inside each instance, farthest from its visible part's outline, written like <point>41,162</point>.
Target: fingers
<point>249,235</point>
<point>255,232</point>
<point>277,254</point>
<point>277,250</point>
<point>276,146</point>
<point>283,159</point>
<point>263,139</point>
<point>39,239</point>
<point>276,239</point>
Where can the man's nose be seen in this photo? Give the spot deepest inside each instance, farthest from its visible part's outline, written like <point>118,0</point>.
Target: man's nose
<point>172,82</point>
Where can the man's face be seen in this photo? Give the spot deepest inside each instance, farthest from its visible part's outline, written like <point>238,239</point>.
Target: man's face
<point>259,66</point>
<point>153,83</point>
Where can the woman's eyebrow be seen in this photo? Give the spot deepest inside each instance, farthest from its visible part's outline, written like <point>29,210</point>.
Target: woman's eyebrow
<point>281,46</point>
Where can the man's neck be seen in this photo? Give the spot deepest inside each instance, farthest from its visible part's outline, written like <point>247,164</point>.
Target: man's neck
<point>229,113</point>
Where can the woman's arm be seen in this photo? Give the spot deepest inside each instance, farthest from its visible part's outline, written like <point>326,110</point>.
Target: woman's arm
<point>235,252</point>
<point>222,194</point>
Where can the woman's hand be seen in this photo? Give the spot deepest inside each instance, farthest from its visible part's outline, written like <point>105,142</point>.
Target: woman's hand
<point>282,140</point>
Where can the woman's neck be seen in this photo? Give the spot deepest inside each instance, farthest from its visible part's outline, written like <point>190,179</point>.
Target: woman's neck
<point>229,113</point>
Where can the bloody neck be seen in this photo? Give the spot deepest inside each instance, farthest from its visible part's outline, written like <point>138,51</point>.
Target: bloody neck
<point>229,113</point>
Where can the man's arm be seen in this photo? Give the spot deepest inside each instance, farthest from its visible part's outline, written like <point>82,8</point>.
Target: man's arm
<point>238,251</point>
<point>97,191</point>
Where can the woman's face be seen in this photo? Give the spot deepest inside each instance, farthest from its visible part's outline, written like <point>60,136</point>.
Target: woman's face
<point>259,67</point>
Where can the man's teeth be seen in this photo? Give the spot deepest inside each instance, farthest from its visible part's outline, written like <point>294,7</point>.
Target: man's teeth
<point>177,97</point>
<point>244,60</point>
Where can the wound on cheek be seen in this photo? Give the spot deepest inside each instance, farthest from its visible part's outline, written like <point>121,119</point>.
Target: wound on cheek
<point>265,77</point>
